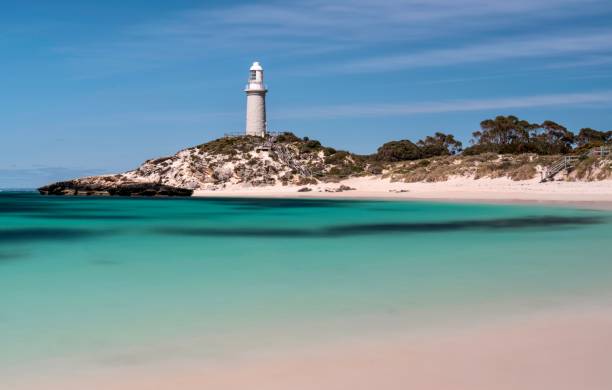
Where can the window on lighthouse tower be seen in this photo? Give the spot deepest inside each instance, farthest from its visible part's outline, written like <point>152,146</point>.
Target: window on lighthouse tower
<point>253,75</point>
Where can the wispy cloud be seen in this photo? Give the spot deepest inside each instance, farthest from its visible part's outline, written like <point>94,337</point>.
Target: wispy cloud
<point>384,110</point>
<point>582,62</point>
<point>518,48</point>
<point>357,21</point>
<point>313,27</point>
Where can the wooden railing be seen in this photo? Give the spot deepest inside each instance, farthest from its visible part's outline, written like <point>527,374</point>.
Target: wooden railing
<point>233,134</point>
<point>565,163</point>
<point>568,162</point>
<point>601,151</point>
<point>286,157</point>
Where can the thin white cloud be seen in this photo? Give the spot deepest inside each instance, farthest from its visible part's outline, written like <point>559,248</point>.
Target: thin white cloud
<point>582,62</point>
<point>518,48</point>
<point>406,109</point>
<point>313,27</point>
<point>354,20</point>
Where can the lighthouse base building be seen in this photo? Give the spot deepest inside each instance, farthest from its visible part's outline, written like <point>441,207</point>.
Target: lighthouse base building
<point>256,102</point>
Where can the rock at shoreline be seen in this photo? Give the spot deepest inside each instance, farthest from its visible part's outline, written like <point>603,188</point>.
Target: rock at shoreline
<point>342,188</point>
<point>81,187</point>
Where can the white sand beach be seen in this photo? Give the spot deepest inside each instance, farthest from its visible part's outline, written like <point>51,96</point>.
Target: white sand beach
<point>502,190</point>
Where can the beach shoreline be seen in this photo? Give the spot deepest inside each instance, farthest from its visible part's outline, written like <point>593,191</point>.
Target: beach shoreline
<point>590,195</point>
<point>562,349</point>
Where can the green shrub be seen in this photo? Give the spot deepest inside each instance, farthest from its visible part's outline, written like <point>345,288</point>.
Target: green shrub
<point>287,137</point>
<point>310,146</point>
<point>337,158</point>
<point>398,151</point>
<point>231,145</point>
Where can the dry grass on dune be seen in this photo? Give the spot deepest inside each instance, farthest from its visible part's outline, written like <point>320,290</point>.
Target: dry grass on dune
<point>592,169</point>
<point>516,167</point>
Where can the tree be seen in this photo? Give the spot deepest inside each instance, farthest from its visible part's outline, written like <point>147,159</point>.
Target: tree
<point>398,151</point>
<point>591,137</point>
<point>509,134</point>
<point>439,144</point>
<point>551,138</point>
<point>504,130</point>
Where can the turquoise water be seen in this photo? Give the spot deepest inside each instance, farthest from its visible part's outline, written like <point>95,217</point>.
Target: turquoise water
<point>94,279</point>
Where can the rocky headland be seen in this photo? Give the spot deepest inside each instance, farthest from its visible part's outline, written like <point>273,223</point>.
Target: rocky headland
<point>287,160</point>
<point>248,160</point>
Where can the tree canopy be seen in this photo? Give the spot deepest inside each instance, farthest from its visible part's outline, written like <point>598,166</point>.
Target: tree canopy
<point>439,144</point>
<point>399,151</point>
<point>502,134</point>
<point>509,134</point>
<point>551,138</point>
<point>588,136</point>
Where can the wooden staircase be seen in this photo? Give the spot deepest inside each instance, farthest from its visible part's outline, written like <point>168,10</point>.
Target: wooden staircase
<point>566,163</point>
<point>286,157</point>
<point>267,144</point>
<point>269,140</point>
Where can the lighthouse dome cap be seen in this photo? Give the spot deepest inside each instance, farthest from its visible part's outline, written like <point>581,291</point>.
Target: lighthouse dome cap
<point>256,66</point>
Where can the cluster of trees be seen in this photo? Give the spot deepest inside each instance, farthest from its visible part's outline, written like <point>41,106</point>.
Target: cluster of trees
<point>509,134</point>
<point>504,134</point>
<point>440,144</point>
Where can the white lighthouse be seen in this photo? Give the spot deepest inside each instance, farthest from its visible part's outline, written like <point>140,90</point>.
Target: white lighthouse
<point>256,102</point>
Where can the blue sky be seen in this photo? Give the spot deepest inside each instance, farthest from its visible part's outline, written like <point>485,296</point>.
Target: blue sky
<point>99,86</point>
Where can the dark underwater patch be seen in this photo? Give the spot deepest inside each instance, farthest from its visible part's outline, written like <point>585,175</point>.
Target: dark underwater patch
<point>491,224</point>
<point>237,232</point>
<point>85,217</point>
<point>406,208</point>
<point>105,262</point>
<point>539,222</point>
<point>274,203</point>
<point>9,205</point>
<point>47,234</point>
<point>6,257</point>
<point>31,203</point>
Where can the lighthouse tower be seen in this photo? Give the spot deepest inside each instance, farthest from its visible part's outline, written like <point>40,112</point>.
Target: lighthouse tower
<point>256,102</point>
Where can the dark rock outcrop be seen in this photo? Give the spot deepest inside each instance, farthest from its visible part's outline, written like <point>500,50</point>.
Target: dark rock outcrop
<point>75,187</point>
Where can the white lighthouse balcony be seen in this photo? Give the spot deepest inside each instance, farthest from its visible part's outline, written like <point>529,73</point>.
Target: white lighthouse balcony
<point>255,86</point>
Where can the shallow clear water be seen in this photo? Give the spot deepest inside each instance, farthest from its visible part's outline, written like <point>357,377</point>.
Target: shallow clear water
<point>96,278</point>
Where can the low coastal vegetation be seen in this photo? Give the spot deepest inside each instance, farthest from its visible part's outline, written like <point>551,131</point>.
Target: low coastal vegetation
<point>505,146</point>
<point>487,165</point>
<point>502,135</point>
